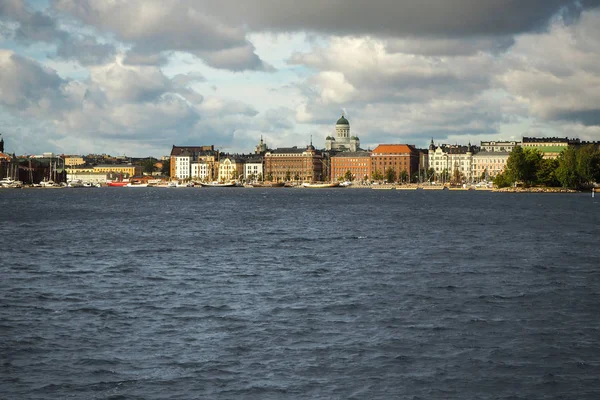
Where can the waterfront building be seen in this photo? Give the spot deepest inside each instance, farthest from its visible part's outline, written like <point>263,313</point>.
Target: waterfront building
<point>293,163</point>
<point>357,162</point>
<point>118,169</point>
<point>549,147</point>
<point>230,168</point>
<point>489,164</point>
<point>452,162</point>
<point>399,157</point>
<point>342,140</point>
<point>254,168</point>
<point>183,157</point>
<point>498,145</point>
<point>201,171</point>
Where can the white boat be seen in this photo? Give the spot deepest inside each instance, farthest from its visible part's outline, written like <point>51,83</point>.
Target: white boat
<point>346,184</point>
<point>10,183</point>
<point>217,184</point>
<point>136,185</point>
<point>321,185</point>
<point>45,183</point>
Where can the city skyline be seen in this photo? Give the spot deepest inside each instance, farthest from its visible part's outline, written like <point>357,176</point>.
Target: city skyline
<point>139,76</point>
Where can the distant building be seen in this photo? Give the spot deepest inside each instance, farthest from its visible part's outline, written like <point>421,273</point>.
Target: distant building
<point>357,162</point>
<point>182,159</point>
<point>73,161</point>
<point>398,157</point>
<point>293,163</point>
<point>230,168</point>
<point>549,147</point>
<point>489,164</point>
<point>453,160</point>
<point>261,148</point>
<point>342,140</point>
<point>254,168</point>
<point>498,145</point>
<point>118,169</point>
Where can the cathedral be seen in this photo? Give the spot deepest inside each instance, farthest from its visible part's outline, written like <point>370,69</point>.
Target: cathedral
<point>342,140</point>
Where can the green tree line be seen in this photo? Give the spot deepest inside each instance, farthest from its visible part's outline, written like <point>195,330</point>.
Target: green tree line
<point>575,168</point>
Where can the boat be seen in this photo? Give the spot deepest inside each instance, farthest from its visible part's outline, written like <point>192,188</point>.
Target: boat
<point>321,185</point>
<point>117,183</point>
<point>10,183</point>
<point>346,184</point>
<point>217,184</point>
<point>268,184</point>
<point>136,185</point>
<point>46,183</point>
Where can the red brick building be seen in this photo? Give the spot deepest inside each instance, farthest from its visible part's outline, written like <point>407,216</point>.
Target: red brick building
<point>357,162</point>
<point>293,163</point>
<point>398,157</point>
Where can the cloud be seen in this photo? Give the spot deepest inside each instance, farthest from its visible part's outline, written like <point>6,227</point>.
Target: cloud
<point>423,18</point>
<point>26,86</point>
<point>558,75</point>
<point>154,26</point>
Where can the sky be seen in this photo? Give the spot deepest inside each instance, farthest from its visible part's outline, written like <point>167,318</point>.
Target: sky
<point>135,77</point>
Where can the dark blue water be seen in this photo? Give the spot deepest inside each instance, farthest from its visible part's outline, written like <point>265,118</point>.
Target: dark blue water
<point>294,293</point>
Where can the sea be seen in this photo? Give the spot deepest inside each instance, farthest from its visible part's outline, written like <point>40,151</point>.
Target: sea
<point>289,293</point>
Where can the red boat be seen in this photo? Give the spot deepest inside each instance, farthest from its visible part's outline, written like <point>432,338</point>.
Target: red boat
<point>117,183</point>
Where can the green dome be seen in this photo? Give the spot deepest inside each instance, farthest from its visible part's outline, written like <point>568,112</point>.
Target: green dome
<point>342,121</point>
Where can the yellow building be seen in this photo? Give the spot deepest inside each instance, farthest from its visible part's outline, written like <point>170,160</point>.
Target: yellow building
<point>73,161</point>
<point>230,168</point>
<point>131,170</point>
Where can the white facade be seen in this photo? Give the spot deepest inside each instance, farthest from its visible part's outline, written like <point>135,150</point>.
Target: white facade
<point>451,159</point>
<point>489,164</point>
<point>200,171</point>
<point>183,167</point>
<point>502,146</point>
<point>253,168</point>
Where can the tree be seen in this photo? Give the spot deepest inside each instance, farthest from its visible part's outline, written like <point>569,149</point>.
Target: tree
<point>288,175</point>
<point>502,180</point>
<point>588,164</point>
<point>403,176</point>
<point>515,165</point>
<point>566,173</point>
<point>377,175</point>
<point>166,167</point>
<point>390,175</point>
<point>484,175</point>
<point>148,165</point>
<point>348,176</point>
<point>546,173</point>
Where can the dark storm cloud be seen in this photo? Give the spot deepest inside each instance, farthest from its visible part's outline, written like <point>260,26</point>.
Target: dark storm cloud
<point>400,18</point>
<point>584,117</point>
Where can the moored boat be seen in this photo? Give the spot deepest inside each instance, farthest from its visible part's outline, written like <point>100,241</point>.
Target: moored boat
<point>117,183</point>
<point>217,184</point>
<point>268,184</point>
<point>320,185</point>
